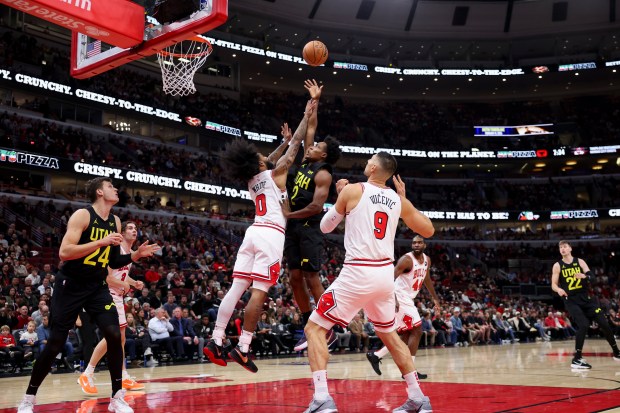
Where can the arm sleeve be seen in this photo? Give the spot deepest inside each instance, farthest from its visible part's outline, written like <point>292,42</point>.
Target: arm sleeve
<point>118,260</point>
<point>331,220</point>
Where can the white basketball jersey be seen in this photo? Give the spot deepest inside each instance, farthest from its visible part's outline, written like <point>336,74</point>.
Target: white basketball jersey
<point>410,283</point>
<point>370,227</point>
<point>267,196</point>
<point>120,274</point>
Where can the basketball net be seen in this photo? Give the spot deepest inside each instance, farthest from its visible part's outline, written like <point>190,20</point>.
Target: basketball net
<point>180,62</point>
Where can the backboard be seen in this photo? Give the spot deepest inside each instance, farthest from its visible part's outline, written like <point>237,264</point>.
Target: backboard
<point>90,57</point>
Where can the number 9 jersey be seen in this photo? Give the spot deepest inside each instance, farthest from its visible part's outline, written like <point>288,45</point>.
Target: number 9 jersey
<point>371,225</point>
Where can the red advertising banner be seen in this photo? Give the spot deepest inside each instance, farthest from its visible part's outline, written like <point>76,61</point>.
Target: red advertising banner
<point>116,22</point>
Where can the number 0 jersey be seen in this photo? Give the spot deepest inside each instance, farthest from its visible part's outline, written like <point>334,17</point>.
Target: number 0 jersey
<point>370,227</point>
<point>409,284</point>
<point>267,196</point>
<point>94,265</point>
<point>120,274</point>
<point>568,282</point>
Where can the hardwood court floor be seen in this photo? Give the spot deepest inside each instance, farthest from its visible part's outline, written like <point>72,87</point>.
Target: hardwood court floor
<point>525,378</point>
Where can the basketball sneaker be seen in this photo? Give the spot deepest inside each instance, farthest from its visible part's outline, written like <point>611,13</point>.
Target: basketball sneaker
<point>331,338</point>
<point>616,356</point>
<point>422,376</point>
<point>131,384</point>
<point>374,361</point>
<point>86,381</point>
<point>243,359</point>
<point>422,405</point>
<point>118,403</point>
<point>322,406</point>
<point>215,353</point>
<point>87,406</point>
<point>580,363</point>
<point>302,344</point>
<point>27,404</point>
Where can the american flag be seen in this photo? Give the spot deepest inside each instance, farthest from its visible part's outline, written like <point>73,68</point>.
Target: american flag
<point>93,49</point>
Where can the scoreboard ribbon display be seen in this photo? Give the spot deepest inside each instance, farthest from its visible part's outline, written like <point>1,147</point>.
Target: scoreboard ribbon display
<point>522,130</point>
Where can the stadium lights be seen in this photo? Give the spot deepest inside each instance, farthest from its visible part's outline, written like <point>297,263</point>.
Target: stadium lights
<point>540,165</point>
<point>597,167</point>
<point>570,163</point>
<point>602,161</point>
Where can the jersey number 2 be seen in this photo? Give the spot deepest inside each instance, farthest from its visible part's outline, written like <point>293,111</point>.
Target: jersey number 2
<point>261,205</point>
<point>381,220</point>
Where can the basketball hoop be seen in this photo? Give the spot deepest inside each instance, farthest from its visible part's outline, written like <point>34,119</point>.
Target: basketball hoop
<point>180,62</point>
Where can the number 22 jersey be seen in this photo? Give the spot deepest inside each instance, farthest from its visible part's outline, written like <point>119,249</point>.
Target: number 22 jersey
<point>573,286</point>
<point>370,227</point>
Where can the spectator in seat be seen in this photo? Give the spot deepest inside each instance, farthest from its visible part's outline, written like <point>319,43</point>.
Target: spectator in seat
<point>9,347</point>
<point>204,330</point>
<point>29,340</point>
<point>160,329</point>
<point>552,327</point>
<point>184,328</point>
<point>170,304</point>
<point>358,336</point>
<point>22,318</point>
<point>461,331</point>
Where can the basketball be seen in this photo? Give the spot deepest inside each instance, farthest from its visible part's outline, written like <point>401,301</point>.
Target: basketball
<point>315,53</point>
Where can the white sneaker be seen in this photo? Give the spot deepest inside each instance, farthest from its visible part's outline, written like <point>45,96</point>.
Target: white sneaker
<point>148,352</point>
<point>118,403</point>
<point>27,404</point>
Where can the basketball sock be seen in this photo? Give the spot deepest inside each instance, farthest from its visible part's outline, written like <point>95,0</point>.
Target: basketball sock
<point>90,369</point>
<point>245,340</point>
<point>218,334</point>
<point>382,352</point>
<point>306,317</point>
<point>413,385</point>
<point>126,375</point>
<point>227,306</point>
<point>321,392</point>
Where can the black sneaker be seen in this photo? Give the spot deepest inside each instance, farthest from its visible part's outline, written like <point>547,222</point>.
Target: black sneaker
<point>580,363</point>
<point>422,376</point>
<point>374,361</point>
<point>243,359</point>
<point>215,353</point>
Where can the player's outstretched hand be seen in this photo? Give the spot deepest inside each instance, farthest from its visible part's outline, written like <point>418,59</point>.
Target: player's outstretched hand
<point>580,275</point>
<point>562,293</point>
<point>139,285</point>
<point>147,250</point>
<point>313,88</point>
<point>286,133</point>
<point>286,207</point>
<point>399,185</point>
<point>113,238</point>
<point>310,107</point>
<point>341,184</point>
